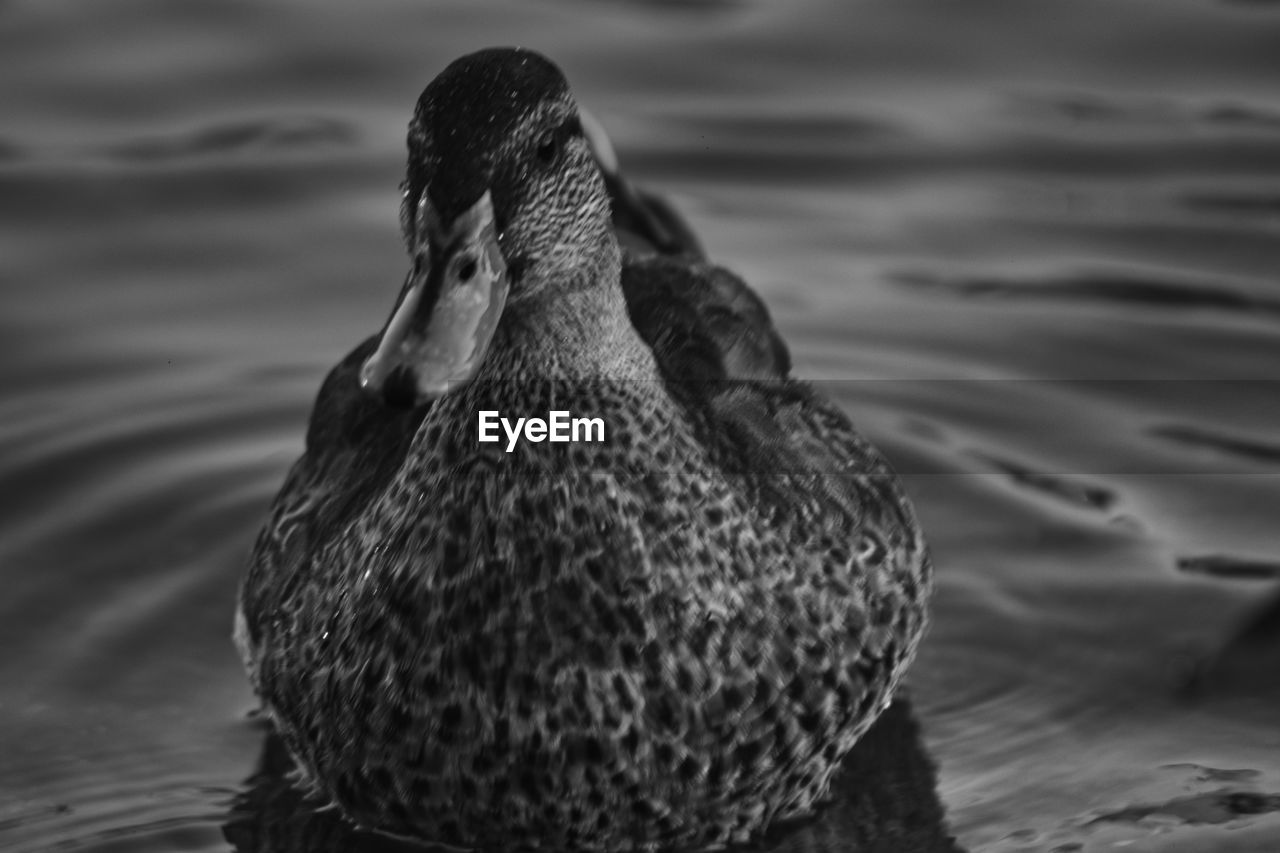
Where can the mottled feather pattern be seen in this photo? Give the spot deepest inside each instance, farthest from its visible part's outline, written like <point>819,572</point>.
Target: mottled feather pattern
<point>598,646</point>
<point>667,639</point>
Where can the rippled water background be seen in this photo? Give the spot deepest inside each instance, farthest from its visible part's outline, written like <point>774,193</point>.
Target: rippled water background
<point>1035,248</point>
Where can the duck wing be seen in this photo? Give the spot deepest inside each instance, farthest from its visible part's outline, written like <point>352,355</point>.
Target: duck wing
<point>717,347</point>
<point>721,357</point>
<point>647,223</point>
<point>355,445</point>
<point>702,321</point>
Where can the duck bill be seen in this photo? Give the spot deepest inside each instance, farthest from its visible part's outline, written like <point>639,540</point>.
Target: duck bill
<point>447,313</point>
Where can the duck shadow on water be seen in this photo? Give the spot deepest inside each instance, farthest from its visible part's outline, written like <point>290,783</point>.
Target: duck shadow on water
<point>885,799</point>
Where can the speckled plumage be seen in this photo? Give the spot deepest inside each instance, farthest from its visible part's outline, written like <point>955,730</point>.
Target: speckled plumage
<point>669,638</point>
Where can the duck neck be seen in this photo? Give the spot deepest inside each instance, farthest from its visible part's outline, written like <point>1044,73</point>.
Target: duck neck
<point>572,329</point>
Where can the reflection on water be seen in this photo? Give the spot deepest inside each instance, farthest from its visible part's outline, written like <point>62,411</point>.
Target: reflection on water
<point>1043,238</point>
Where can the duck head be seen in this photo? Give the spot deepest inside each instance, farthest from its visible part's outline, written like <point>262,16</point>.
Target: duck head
<point>504,211</point>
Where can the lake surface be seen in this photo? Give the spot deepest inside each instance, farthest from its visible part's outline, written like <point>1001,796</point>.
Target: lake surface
<point>1033,248</point>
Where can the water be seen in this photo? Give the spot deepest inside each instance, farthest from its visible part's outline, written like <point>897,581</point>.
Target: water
<point>1032,247</point>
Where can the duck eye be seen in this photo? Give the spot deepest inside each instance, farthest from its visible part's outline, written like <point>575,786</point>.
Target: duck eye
<point>548,147</point>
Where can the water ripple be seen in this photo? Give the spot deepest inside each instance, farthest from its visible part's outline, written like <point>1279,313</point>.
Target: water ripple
<point>1246,449</point>
<point>1227,566</point>
<point>118,806</point>
<point>1101,287</point>
<point>265,134</point>
<point>1242,204</point>
<point>1216,807</point>
<point>10,150</point>
<point>1072,491</point>
<point>1131,111</point>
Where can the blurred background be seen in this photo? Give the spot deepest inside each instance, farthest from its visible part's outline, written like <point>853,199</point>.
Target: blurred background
<point>1032,248</point>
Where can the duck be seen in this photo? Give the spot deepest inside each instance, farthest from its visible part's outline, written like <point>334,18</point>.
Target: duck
<point>667,634</point>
